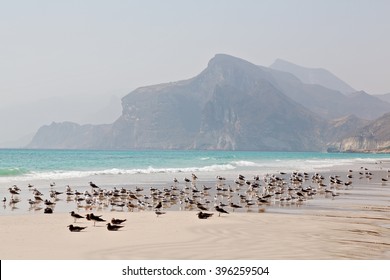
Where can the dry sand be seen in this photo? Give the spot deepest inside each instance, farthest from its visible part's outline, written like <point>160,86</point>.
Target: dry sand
<point>181,235</point>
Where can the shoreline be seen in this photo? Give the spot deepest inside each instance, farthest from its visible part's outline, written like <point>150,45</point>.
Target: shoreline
<point>352,225</point>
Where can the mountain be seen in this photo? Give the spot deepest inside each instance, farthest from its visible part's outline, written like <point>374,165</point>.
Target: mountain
<point>313,76</point>
<point>374,137</point>
<point>27,116</point>
<point>70,135</point>
<point>342,128</point>
<point>384,97</point>
<point>230,105</point>
<point>329,104</point>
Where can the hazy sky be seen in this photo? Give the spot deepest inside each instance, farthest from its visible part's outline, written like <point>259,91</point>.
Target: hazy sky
<point>98,47</point>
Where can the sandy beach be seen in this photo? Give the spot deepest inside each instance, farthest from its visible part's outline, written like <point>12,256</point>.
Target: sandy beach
<point>181,235</point>
<point>353,225</point>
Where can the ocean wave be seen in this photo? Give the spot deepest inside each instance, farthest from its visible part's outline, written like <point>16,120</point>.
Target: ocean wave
<point>65,174</point>
<point>245,163</point>
<point>10,172</point>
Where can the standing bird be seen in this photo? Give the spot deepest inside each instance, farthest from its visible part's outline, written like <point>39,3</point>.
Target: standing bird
<point>13,192</point>
<point>201,207</point>
<point>111,227</point>
<point>158,206</point>
<point>92,217</point>
<point>93,185</point>
<point>220,210</point>
<point>73,228</point>
<point>187,180</point>
<point>234,206</point>
<point>76,216</point>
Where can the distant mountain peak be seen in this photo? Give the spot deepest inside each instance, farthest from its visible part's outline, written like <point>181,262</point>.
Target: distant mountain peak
<point>317,76</point>
<point>225,60</point>
<point>232,104</point>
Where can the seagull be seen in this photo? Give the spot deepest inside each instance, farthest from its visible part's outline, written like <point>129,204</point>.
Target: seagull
<point>12,191</point>
<point>187,180</point>
<point>201,215</point>
<point>31,202</point>
<point>93,185</point>
<point>220,210</point>
<point>92,217</point>
<point>48,210</point>
<point>76,216</point>
<point>158,206</point>
<point>117,221</point>
<point>158,213</point>
<point>111,227</point>
<point>48,202</point>
<point>201,207</point>
<point>234,206</point>
<point>73,228</point>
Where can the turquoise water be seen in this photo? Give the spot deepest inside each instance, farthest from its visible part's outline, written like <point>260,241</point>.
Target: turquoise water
<point>109,169</point>
<point>62,164</point>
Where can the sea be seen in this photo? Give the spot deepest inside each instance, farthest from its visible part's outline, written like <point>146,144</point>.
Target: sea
<point>48,169</point>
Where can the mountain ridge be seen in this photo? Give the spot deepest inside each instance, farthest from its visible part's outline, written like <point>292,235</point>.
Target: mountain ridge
<point>317,76</point>
<point>231,105</point>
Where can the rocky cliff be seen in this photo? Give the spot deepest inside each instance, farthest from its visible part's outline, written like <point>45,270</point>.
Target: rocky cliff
<point>232,105</point>
<point>374,137</point>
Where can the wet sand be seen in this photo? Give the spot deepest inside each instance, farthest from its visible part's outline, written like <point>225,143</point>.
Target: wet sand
<point>181,235</point>
<point>353,225</point>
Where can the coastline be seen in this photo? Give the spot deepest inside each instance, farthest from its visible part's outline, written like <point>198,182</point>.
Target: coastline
<point>353,225</point>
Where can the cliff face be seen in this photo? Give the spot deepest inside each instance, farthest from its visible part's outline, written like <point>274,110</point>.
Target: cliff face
<point>231,105</point>
<point>69,135</point>
<point>374,137</point>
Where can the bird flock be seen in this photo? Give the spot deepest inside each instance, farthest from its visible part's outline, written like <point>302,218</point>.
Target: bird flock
<point>222,196</point>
